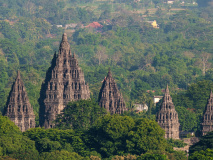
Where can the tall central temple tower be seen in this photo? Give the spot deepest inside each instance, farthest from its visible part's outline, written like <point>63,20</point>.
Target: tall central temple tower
<point>207,125</point>
<point>167,117</point>
<point>64,83</point>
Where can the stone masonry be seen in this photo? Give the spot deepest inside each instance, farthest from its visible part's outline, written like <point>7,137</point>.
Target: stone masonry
<point>18,107</point>
<point>207,125</point>
<point>110,97</point>
<point>167,117</point>
<point>64,83</point>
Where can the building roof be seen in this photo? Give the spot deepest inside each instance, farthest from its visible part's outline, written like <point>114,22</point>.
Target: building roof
<point>94,25</point>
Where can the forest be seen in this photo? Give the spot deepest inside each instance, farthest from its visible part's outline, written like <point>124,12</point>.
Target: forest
<point>142,59</point>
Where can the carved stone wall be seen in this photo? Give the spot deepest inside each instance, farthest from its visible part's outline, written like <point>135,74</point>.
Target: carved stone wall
<point>207,125</point>
<point>18,107</point>
<point>64,83</point>
<point>110,97</point>
<point>167,117</point>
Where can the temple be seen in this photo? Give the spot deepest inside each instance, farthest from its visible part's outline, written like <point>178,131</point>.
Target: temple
<point>167,117</point>
<point>207,125</point>
<point>110,98</point>
<point>18,107</point>
<point>64,83</point>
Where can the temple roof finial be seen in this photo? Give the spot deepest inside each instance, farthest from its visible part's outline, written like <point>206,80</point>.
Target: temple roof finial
<point>64,37</point>
<point>211,94</point>
<point>18,75</point>
<point>167,97</point>
<point>167,89</point>
<point>64,43</point>
<point>109,73</point>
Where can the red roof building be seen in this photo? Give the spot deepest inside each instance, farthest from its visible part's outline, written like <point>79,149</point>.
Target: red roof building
<point>94,25</point>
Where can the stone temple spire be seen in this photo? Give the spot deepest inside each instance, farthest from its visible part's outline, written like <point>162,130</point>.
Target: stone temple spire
<point>167,117</point>
<point>64,43</point>
<point>109,74</point>
<point>18,107</point>
<point>64,83</point>
<point>207,125</point>
<point>167,98</point>
<point>110,97</point>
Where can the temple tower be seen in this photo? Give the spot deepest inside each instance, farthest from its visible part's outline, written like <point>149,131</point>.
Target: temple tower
<point>64,83</point>
<point>207,125</point>
<point>110,97</point>
<point>167,117</point>
<point>18,107</point>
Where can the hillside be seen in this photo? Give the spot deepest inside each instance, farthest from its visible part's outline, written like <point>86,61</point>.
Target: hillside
<point>142,58</point>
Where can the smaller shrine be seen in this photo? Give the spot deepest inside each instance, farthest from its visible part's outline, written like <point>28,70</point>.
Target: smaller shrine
<point>110,97</point>
<point>167,117</point>
<point>18,107</point>
<point>207,125</point>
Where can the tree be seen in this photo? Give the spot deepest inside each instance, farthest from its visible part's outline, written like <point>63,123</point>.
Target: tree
<point>146,135</point>
<point>49,140</point>
<point>176,143</point>
<point>13,143</point>
<point>106,14</point>
<point>8,127</point>
<point>187,118</point>
<point>202,155</point>
<point>147,13</point>
<point>179,155</point>
<point>18,147</point>
<point>204,3</point>
<point>79,114</point>
<point>204,143</point>
<point>148,156</point>
<point>156,2</point>
<point>100,54</point>
<point>60,155</point>
<point>108,135</point>
<point>204,60</point>
<point>117,135</point>
<point>199,93</point>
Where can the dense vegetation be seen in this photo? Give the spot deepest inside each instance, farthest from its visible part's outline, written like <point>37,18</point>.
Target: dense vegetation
<point>79,115</point>
<point>109,136</point>
<point>202,149</point>
<point>142,59</point>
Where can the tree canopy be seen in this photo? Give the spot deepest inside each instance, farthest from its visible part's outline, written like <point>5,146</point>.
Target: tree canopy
<point>79,114</point>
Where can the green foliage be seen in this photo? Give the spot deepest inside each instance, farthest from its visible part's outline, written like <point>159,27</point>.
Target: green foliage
<point>199,93</point>
<point>187,119</point>
<point>18,147</point>
<point>191,104</point>
<point>108,134</point>
<point>141,58</point>
<point>13,144</point>
<point>128,156</point>
<point>79,115</point>
<point>148,156</point>
<point>146,135</point>
<point>56,155</point>
<point>204,143</point>
<point>176,143</point>
<point>179,155</point>
<point>8,127</point>
<point>49,140</point>
<point>46,145</point>
<point>204,3</point>
<point>116,135</point>
<point>202,155</point>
